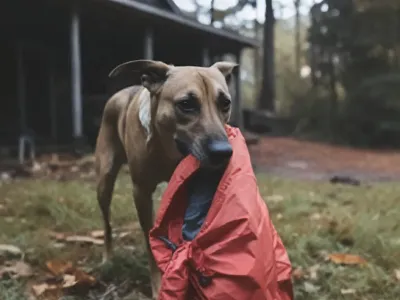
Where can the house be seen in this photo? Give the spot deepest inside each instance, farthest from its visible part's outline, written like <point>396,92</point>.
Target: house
<point>56,56</point>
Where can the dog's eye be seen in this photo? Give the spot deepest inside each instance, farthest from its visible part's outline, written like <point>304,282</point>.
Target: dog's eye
<point>224,103</point>
<point>188,105</point>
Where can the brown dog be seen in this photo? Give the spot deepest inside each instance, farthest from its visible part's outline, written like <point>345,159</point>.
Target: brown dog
<point>170,112</point>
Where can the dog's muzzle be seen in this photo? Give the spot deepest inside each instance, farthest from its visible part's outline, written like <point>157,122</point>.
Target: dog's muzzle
<point>211,152</point>
<point>219,151</point>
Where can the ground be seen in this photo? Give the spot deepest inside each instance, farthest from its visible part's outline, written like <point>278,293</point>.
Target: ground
<point>343,240</point>
<point>301,159</point>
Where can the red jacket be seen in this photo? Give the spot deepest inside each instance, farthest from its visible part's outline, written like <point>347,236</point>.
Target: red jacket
<point>237,254</point>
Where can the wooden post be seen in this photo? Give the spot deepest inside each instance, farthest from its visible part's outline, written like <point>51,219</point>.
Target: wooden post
<point>206,60</point>
<point>237,107</point>
<point>21,87</point>
<point>25,137</point>
<point>212,12</point>
<point>76,80</point>
<point>148,43</point>
<point>52,99</point>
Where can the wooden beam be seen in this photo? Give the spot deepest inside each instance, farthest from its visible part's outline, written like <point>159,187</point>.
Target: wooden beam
<point>148,43</point>
<point>76,80</point>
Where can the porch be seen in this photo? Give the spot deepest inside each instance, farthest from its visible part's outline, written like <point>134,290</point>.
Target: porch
<point>57,55</point>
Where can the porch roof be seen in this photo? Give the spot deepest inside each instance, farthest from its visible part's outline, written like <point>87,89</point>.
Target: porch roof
<point>150,11</point>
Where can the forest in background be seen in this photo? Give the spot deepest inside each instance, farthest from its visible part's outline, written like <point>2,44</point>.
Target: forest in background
<point>334,72</point>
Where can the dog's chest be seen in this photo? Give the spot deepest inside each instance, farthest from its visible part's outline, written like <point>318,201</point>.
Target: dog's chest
<point>145,111</point>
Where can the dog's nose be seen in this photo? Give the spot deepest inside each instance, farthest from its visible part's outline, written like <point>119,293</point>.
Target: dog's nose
<point>219,151</point>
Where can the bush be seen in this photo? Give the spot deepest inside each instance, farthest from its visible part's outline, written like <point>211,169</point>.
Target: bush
<point>370,116</point>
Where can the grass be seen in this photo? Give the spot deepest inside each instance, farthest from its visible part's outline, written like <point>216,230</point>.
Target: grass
<point>312,218</point>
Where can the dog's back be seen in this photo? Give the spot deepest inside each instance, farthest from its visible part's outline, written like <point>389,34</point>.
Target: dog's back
<point>115,111</point>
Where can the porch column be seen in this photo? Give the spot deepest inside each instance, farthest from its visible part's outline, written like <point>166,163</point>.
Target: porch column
<point>148,43</point>
<point>52,98</point>
<point>21,93</point>
<point>206,60</point>
<point>76,80</point>
<point>237,105</point>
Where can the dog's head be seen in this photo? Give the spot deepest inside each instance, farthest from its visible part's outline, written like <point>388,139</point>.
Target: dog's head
<point>191,106</point>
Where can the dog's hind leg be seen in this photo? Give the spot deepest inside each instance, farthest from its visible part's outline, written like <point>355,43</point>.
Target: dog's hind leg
<point>109,159</point>
<point>144,206</point>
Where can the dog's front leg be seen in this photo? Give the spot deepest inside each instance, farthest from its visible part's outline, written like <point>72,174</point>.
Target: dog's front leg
<point>144,207</point>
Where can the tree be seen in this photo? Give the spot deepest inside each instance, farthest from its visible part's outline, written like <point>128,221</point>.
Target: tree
<point>219,15</point>
<point>266,100</point>
<point>297,49</point>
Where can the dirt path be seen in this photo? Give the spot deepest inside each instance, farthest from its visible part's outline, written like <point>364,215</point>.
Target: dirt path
<point>290,157</point>
<point>280,156</point>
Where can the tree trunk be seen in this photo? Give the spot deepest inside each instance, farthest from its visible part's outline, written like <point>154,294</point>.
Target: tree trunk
<point>333,109</point>
<point>212,12</point>
<point>266,100</point>
<point>297,36</point>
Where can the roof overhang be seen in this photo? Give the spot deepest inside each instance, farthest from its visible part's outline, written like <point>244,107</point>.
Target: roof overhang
<point>149,10</point>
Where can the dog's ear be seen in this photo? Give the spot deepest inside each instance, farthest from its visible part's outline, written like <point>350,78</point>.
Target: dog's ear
<point>226,68</point>
<point>151,74</point>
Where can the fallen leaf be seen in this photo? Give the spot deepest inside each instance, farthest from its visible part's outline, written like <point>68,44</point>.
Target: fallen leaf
<point>97,234</point>
<point>275,198</point>
<point>40,289</point>
<point>58,268</point>
<point>58,245</point>
<point>84,239</point>
<point>310,288</point>
<point>66,278</point>
<point>22,269</point>
<point>69,281</point>
<point>346,259</point>
<point>347,291</point>
<point>10,249</point>
<point>313,271</point>
<point>16,270</point>
<point>298,273</point>
<point>129,248</point>
<point>57,235</point>
<point>74,169</point>
<point>397,274</point>
<point>84,278</point>
<point>123,235</point>
<point>4,176</point>
<point>323,254</point>
<point>315,217</point>
<point>36,167</point>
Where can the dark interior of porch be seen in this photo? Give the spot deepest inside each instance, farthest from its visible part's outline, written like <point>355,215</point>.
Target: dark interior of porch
<point>36,63</point>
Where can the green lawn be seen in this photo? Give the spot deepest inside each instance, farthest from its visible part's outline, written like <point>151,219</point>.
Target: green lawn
<point>314,219</point>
